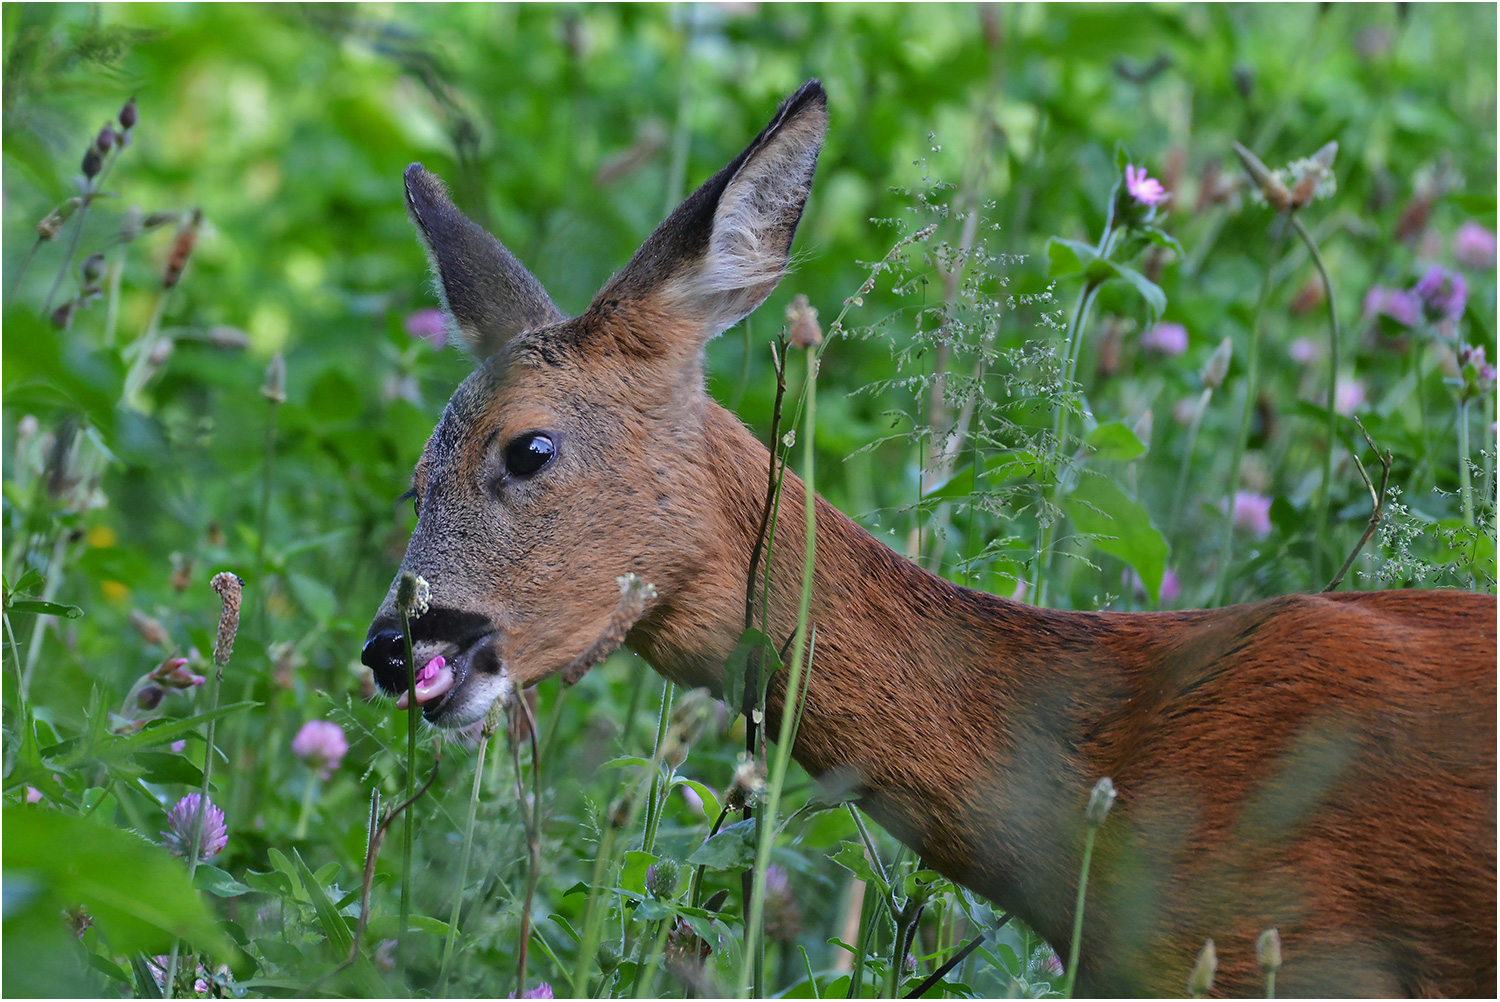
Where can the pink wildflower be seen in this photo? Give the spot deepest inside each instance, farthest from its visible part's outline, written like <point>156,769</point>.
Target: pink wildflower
<point>183,818</point>
<point>33,795</point>
<point>1146,190</point>
<point>1171,587</point>
<point>1474,246</point>
<point>1442,293</point>
<point>1348,394</point>
<point>429,324</point>
<point>541,991</point>
<point>179,746</point>
<point>322,745</point>
<point>1398,304</point>
<point>174,672</point>
<point>1252,512</point>
<point>1302,351</point>
<point>1166,339</point>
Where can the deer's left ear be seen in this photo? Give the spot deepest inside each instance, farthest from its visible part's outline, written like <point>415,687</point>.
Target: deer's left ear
<point>719,255</point>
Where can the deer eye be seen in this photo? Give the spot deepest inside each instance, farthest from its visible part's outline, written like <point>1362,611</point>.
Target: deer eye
<point>528,453</point>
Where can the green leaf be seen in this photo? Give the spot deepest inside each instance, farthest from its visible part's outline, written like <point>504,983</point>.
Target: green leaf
<point>711,805</point>
<point>155,733</point>
<point>218,883</point>
<point>334,926</point>
<point>389,926</point>
<point>137,892</point>
<point>41,608</point>
<point>1115,441</point>
<point>1156,300</point>
<point>732,848</point>
<point>851,856</point>
<point>1161,239</point>
<point>1068,257</point>
<point>633,873</point>
<point>1120,527</point>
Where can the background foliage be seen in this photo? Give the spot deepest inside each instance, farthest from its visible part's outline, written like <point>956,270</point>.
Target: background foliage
<point>145,449</point>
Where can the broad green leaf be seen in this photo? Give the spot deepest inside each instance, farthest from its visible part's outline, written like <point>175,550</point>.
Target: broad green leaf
<point>216,882</point>
<point>851,856</point>
<point>1115,441</point>
<point>1156,300</point>
<point>1068,257</point>
<point>711,805</point>
<point>732,848</point>
<point>1120,527</point>
<point>41,608</point>
<point>334,926</point>
<point>137,892</point>
<point>633,873</point>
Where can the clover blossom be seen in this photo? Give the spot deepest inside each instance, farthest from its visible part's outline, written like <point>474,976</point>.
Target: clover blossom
<point>213,836</point>
<point>1167,339</point>
<point>1474,246</point>
<point>1442,294</point>
<point>322,745</point>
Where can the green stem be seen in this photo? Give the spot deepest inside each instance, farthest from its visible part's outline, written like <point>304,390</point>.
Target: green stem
<point>463,868</point>
<point>593,916</point>
<point>307,799</point>
<point>1083,886</point>
<point>794,677</point>
<point>1333,376</point>
<point>653,807</point>
<point>1238,455</point>
<point>408,831</point>
<point>1465,491</point>
<point>1175,513</point>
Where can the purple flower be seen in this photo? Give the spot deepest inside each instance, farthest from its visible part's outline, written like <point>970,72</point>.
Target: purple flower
<point>1474,246</point>
<point>1146,190</point>
<point>183,818</point>
<point>322,745</point>
<point>1166,339</point>
<point>1398,304</point>
<point>1171,587</point>
<point>1252,512</point>
<point>430,325</point>
<point>1302,351</point>
<point>179,746</point>
<point>1477,373</point>
<point>33,795</point>
<point>541,991</point>
<point>1442,294</point>
<point>1348,394</point>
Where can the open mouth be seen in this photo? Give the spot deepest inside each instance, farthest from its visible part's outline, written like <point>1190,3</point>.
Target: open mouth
<point>434,680</point>
<point>455,684</point>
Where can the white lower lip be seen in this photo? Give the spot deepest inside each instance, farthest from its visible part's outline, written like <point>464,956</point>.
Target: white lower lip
<point>435,679</point>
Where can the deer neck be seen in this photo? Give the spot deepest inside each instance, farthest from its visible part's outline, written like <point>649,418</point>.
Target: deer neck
<point>912,679</point>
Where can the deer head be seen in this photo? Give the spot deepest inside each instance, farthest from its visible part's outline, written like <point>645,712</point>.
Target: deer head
<point>581,448</point>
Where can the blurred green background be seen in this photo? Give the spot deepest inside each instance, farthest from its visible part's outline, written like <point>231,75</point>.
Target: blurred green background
<point>142,455</point>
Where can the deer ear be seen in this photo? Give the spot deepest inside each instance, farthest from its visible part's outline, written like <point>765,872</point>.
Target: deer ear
<point>488,295</point>
<point>719,255</point>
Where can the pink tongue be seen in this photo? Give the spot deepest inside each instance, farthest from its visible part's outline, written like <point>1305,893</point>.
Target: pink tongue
<point>433,679</point>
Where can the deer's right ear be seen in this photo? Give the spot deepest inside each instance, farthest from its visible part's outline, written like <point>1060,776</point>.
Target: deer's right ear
<point>719,255</point>
<point>488,295</point>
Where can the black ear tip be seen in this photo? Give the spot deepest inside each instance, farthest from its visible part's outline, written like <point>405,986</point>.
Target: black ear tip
<point>423,185</point>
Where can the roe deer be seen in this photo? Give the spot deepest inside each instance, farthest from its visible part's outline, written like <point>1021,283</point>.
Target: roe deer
<point>1324,764</point>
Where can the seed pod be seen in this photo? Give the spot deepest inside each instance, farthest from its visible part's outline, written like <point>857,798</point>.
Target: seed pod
<point>221,336</point>
<point>802,321</point>
<point>1201,981</point>
<point>52,222</point>
<point>1217,366</point>
<point>661,878</point>
<point>1268,951</point>
<point>128,115</point>
<point>187,238</point>
<point>274,388</point>
<point>92,164</point>
<point>150,629</point>
<point>160,218</point>
<point>105,140</point>
<point>92,269</point>
<point>63,315</point>
<point>1269,184</point>
<point>229,588</point>
<point>149,698</point>
<point>1101,799</point>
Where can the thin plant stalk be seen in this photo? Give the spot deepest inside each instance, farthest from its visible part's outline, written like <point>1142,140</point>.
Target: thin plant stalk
<point>1187,458</point>
<point>408,831</point>
<point>794,678</point>
<point>306,809</point>
<point>89,195</point>
<point>1465,490</point>
<point>228,587</point>
<point>1333,375</point>
<point>653,807</point>
<point>1083,886</point>
<point>463,864</point>
<point>1238,455</point>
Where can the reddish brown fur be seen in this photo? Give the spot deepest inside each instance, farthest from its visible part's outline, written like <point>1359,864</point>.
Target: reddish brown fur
<point>1324,764</point>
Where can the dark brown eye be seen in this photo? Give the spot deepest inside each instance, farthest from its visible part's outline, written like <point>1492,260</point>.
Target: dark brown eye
<point>528,453</point>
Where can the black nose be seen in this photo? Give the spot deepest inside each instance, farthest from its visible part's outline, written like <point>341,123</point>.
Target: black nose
<point>385,655</point>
